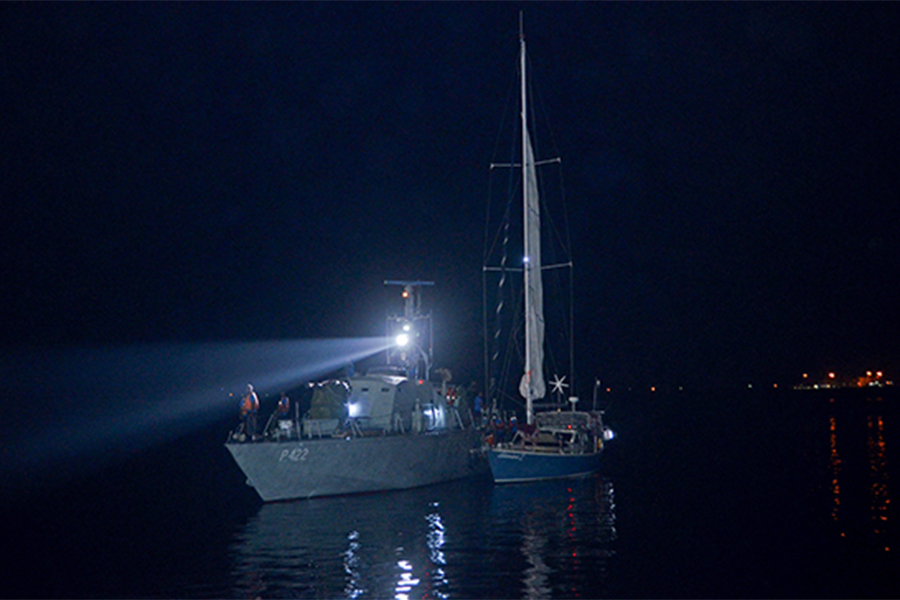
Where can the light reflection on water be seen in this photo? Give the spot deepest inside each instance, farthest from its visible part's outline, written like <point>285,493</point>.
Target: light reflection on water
<point>849,435</point>
<point>459,540</point>
<point>835,461</point>
<point>878,478</point>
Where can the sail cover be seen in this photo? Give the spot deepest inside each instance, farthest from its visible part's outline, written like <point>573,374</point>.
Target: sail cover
<point>532,385</point>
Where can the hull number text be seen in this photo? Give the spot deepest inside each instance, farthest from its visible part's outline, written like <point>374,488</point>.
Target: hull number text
<point>295,455</point>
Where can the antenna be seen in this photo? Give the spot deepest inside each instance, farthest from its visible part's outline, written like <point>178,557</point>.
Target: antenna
<point>415,328</point>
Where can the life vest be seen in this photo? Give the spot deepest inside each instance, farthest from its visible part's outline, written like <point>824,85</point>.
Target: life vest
<point>246,405</point>
<point>284,405</point>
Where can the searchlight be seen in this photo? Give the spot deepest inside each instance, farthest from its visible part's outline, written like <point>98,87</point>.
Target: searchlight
<point>402,339</point>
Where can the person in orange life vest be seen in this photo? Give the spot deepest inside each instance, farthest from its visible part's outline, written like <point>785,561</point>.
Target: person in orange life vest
<point>282,420</point>
<point>284,406</point>
<point>249,408</point>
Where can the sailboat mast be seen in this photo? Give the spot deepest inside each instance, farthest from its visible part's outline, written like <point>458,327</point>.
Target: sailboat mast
<point>532,386</point>
<point>529,368</point>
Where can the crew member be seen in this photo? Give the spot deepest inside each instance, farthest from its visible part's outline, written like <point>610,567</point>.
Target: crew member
<point>498,428</point>
<point>476,409</point>
<point>249,409</point>
<point>284,406</point>
<point>283,416</point>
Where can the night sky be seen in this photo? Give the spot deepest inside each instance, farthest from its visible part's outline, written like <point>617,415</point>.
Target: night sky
<point>200,172</point>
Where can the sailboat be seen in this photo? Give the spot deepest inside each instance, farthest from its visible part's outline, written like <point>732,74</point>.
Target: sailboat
<point>552,444</point>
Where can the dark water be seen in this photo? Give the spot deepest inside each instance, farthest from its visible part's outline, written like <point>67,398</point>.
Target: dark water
<point>743,494</point>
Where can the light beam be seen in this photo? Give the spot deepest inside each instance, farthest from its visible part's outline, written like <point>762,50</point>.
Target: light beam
<point>82,406</point>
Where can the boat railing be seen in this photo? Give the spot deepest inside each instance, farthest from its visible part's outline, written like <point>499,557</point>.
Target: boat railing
<point>422,420</point>
<point>562,420</point>
<point>355,428</point>
<point>459,420</point>
<point>551,441</point>
<point>319,428</point>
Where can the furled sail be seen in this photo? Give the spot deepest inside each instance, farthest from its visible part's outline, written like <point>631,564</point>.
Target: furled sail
<point>531,386</point>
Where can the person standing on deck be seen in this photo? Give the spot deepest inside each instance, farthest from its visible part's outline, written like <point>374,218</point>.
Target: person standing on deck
<point>284,407</point>
<point>476,409</point>
<point>249,409</point>
<point>283,412</point>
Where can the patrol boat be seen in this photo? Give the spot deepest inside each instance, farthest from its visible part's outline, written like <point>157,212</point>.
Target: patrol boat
<point>389,428</point>
<point>558,443</point>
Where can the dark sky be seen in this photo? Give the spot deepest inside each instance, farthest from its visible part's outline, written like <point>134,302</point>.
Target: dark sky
<point>200,171</point>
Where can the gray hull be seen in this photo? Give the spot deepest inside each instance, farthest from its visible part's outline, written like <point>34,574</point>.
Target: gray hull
<point>334,466</point>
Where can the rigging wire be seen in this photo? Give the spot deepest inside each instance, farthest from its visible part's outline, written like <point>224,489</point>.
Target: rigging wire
<point>563,235</point>
<point>491,355</point>
<point>498,362</point>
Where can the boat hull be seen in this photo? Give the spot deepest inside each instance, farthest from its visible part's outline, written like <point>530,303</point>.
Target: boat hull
<point>286,470</point>
<point>511,465</point>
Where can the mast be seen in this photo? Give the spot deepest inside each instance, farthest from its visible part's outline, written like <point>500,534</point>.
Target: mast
<point>416,328</point>
<point>531,386</point>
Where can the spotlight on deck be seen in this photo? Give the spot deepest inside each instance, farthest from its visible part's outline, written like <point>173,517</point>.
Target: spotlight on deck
<point>402,339</point>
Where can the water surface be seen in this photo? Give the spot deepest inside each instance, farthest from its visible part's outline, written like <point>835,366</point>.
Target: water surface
<point>741,494</point>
